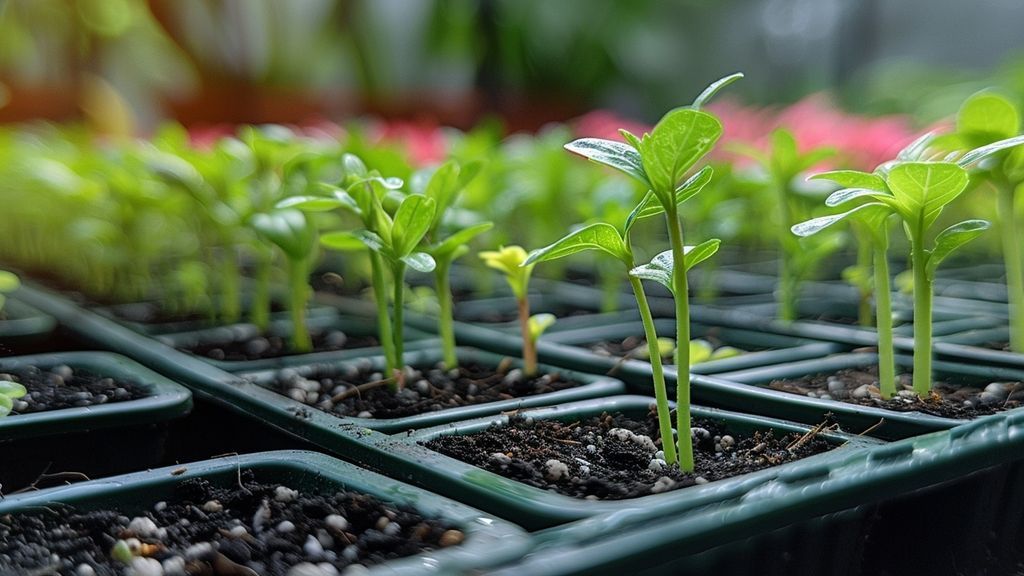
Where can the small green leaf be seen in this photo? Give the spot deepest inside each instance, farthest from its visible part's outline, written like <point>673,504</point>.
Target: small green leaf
<point>713,89</point>
<point>598,236</point>
<point>677,142</point>
<point>844,195</point>
<point>289,230</point>
<point>659,269</point>
<point>723,352</point>
<point>666,346</point>
<point>5,406</point>
<point>511,261</point>
<point>352,241</point>
<point>986,117</point>
<point>10,389</point>
<point>539,323</point>
<point>442,187</point>
<point>452,243</point>
<point>853,179</point>
<point>420,261</point>
<point>922,189</point>
<point>696,254</point>
<point>617,155</point>
<point>310,203</point>
<point>649,206</point>
<point>915,151</point>
<point>412,220</point>
<point>871,210</point>
<point>353,165</point>
<point>952,238</point>
<point>9,281</point>
<point>979,154</point>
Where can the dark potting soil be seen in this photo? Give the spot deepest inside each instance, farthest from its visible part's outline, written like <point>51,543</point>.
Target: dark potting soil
<point>257,347</point>
<point>64,387</point>
<point>247,529</point>
<point>614,457</point>
<point>860,386</point>
<point>364,393</point>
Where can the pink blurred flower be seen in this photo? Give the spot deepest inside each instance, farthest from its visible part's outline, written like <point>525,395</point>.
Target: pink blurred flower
<point>606,124</point>
<point>424,141</point>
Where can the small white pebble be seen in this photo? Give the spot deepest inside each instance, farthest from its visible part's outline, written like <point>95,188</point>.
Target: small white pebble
<point>727,442</point>
<point>84,569</point>
<point>554,470</point>
<point>312,547</point>
<point>350,552</point>
<point>286,527</point>
<point>142,526</point>
<point>337,522</point>
<point>160,506</point>
<point>285,494</point>
<point>142,566</point>
<point>662,484</point>
<point>213,506</point>
<point>328,568</point>
<point>500,459</point>
<point>364,414</point>
<point>306,569</point>
<point>174,566</point>
<point>199,551</point>
<point>591,448</point>
<point>356,570</point>
<point>238,531</point>
<point>700,480</point>
<point>392,528</point>
<point>656,465</point>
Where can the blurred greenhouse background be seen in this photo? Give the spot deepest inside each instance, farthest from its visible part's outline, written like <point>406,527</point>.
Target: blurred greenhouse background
<point>126,64</point>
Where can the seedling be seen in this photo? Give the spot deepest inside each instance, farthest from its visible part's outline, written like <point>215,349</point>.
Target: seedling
<point>392,241</point>
<point>9,392</point>
<point>783,163</point>
<point>293,233</point>
<point>512,262</point>
<point>444,187</point>
<point>983,119</point>
<point>9,282</point>
<point>660,161</point>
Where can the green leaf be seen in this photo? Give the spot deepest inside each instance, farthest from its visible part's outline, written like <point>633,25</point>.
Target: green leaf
<point>713,89</point>
<point>617,155</point>
<point>447,248</point>
<point>5,406</point>
<point>666,346</point>
<point>723,352</point>
<point>353,166</point>
<point>979,154</point>
<point>289,230</point>
<point>538,323</point>
<point>310,203</point>
<point>844,195</point>
<point>10,389</point>
<point>986,117</point>
<point>442,187</point>
<point>412,220</point>
<point>922,189</point>
<point>677,142</point>
<point>600,236</point>
<point>9,281</point>
<point>649,206</point>
<point>352,241</point>
<point>420,261</point>
<point>916,150</point>
<point>952,238</point>
<point>853,179</point>
<point>660,268</point>
<point>874,211</point>
<point>631,138</point>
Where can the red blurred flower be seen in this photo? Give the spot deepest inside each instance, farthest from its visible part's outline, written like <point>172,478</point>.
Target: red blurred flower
<point>424,141</point>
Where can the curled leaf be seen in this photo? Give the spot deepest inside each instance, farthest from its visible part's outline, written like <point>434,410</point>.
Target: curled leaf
<point>617,155</point>
<point>538,323</point>
<point>599,236</point>
<point>952,238</point>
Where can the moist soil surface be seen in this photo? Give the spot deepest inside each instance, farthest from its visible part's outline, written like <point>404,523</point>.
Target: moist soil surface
<point>65,387</point>
<point>364,392</point>
<point>949,400</point>
<point>614,457</point>
<point>258,347</point>
<point>247,529</point>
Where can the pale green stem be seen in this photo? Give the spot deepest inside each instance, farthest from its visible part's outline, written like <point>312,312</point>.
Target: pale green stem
<point>298,295</point>
<point>922,319</point>
<point>787,279</point>
<point>259,308</point>
<point>380,296</point>
<point>668,445</point>
<point>682,354</point>
<point>883,318</point>
<point>529,344</point>
<point>445,321</point>
<point>398,314</point>
<point>1014,268</point>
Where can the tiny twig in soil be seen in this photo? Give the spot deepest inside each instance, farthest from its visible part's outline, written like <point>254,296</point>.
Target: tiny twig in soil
<point>872,427</point>
<point>796,444</point>
<point>55,476</point>
<point>358,390</point>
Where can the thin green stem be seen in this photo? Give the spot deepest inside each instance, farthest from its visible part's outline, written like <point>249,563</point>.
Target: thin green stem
<point>398,313</point>
<point>864,257</point>
<point>259,308</point>
<point>298,296</point>
<point>1014,268</point>
<point>922,319</point>
<point>446,320</point>
<point>787,279</point>
<point>380,297</point>
<point>682,354</point>
<point>657,371</point>
<point>529,345</point>
<point>230,291</point>
<point>883,318</point>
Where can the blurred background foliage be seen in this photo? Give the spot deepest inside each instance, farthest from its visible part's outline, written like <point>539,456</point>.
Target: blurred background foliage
<point>458,61</point>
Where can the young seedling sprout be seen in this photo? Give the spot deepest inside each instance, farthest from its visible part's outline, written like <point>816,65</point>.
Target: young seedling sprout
<point>983,119</point>
<point>393,243</point>
<point>660,161</point>
<point>293,233</point>
<point>9,392</point>
<point>872,218</point>
<point>511,261</point>
<point>444,186</point>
